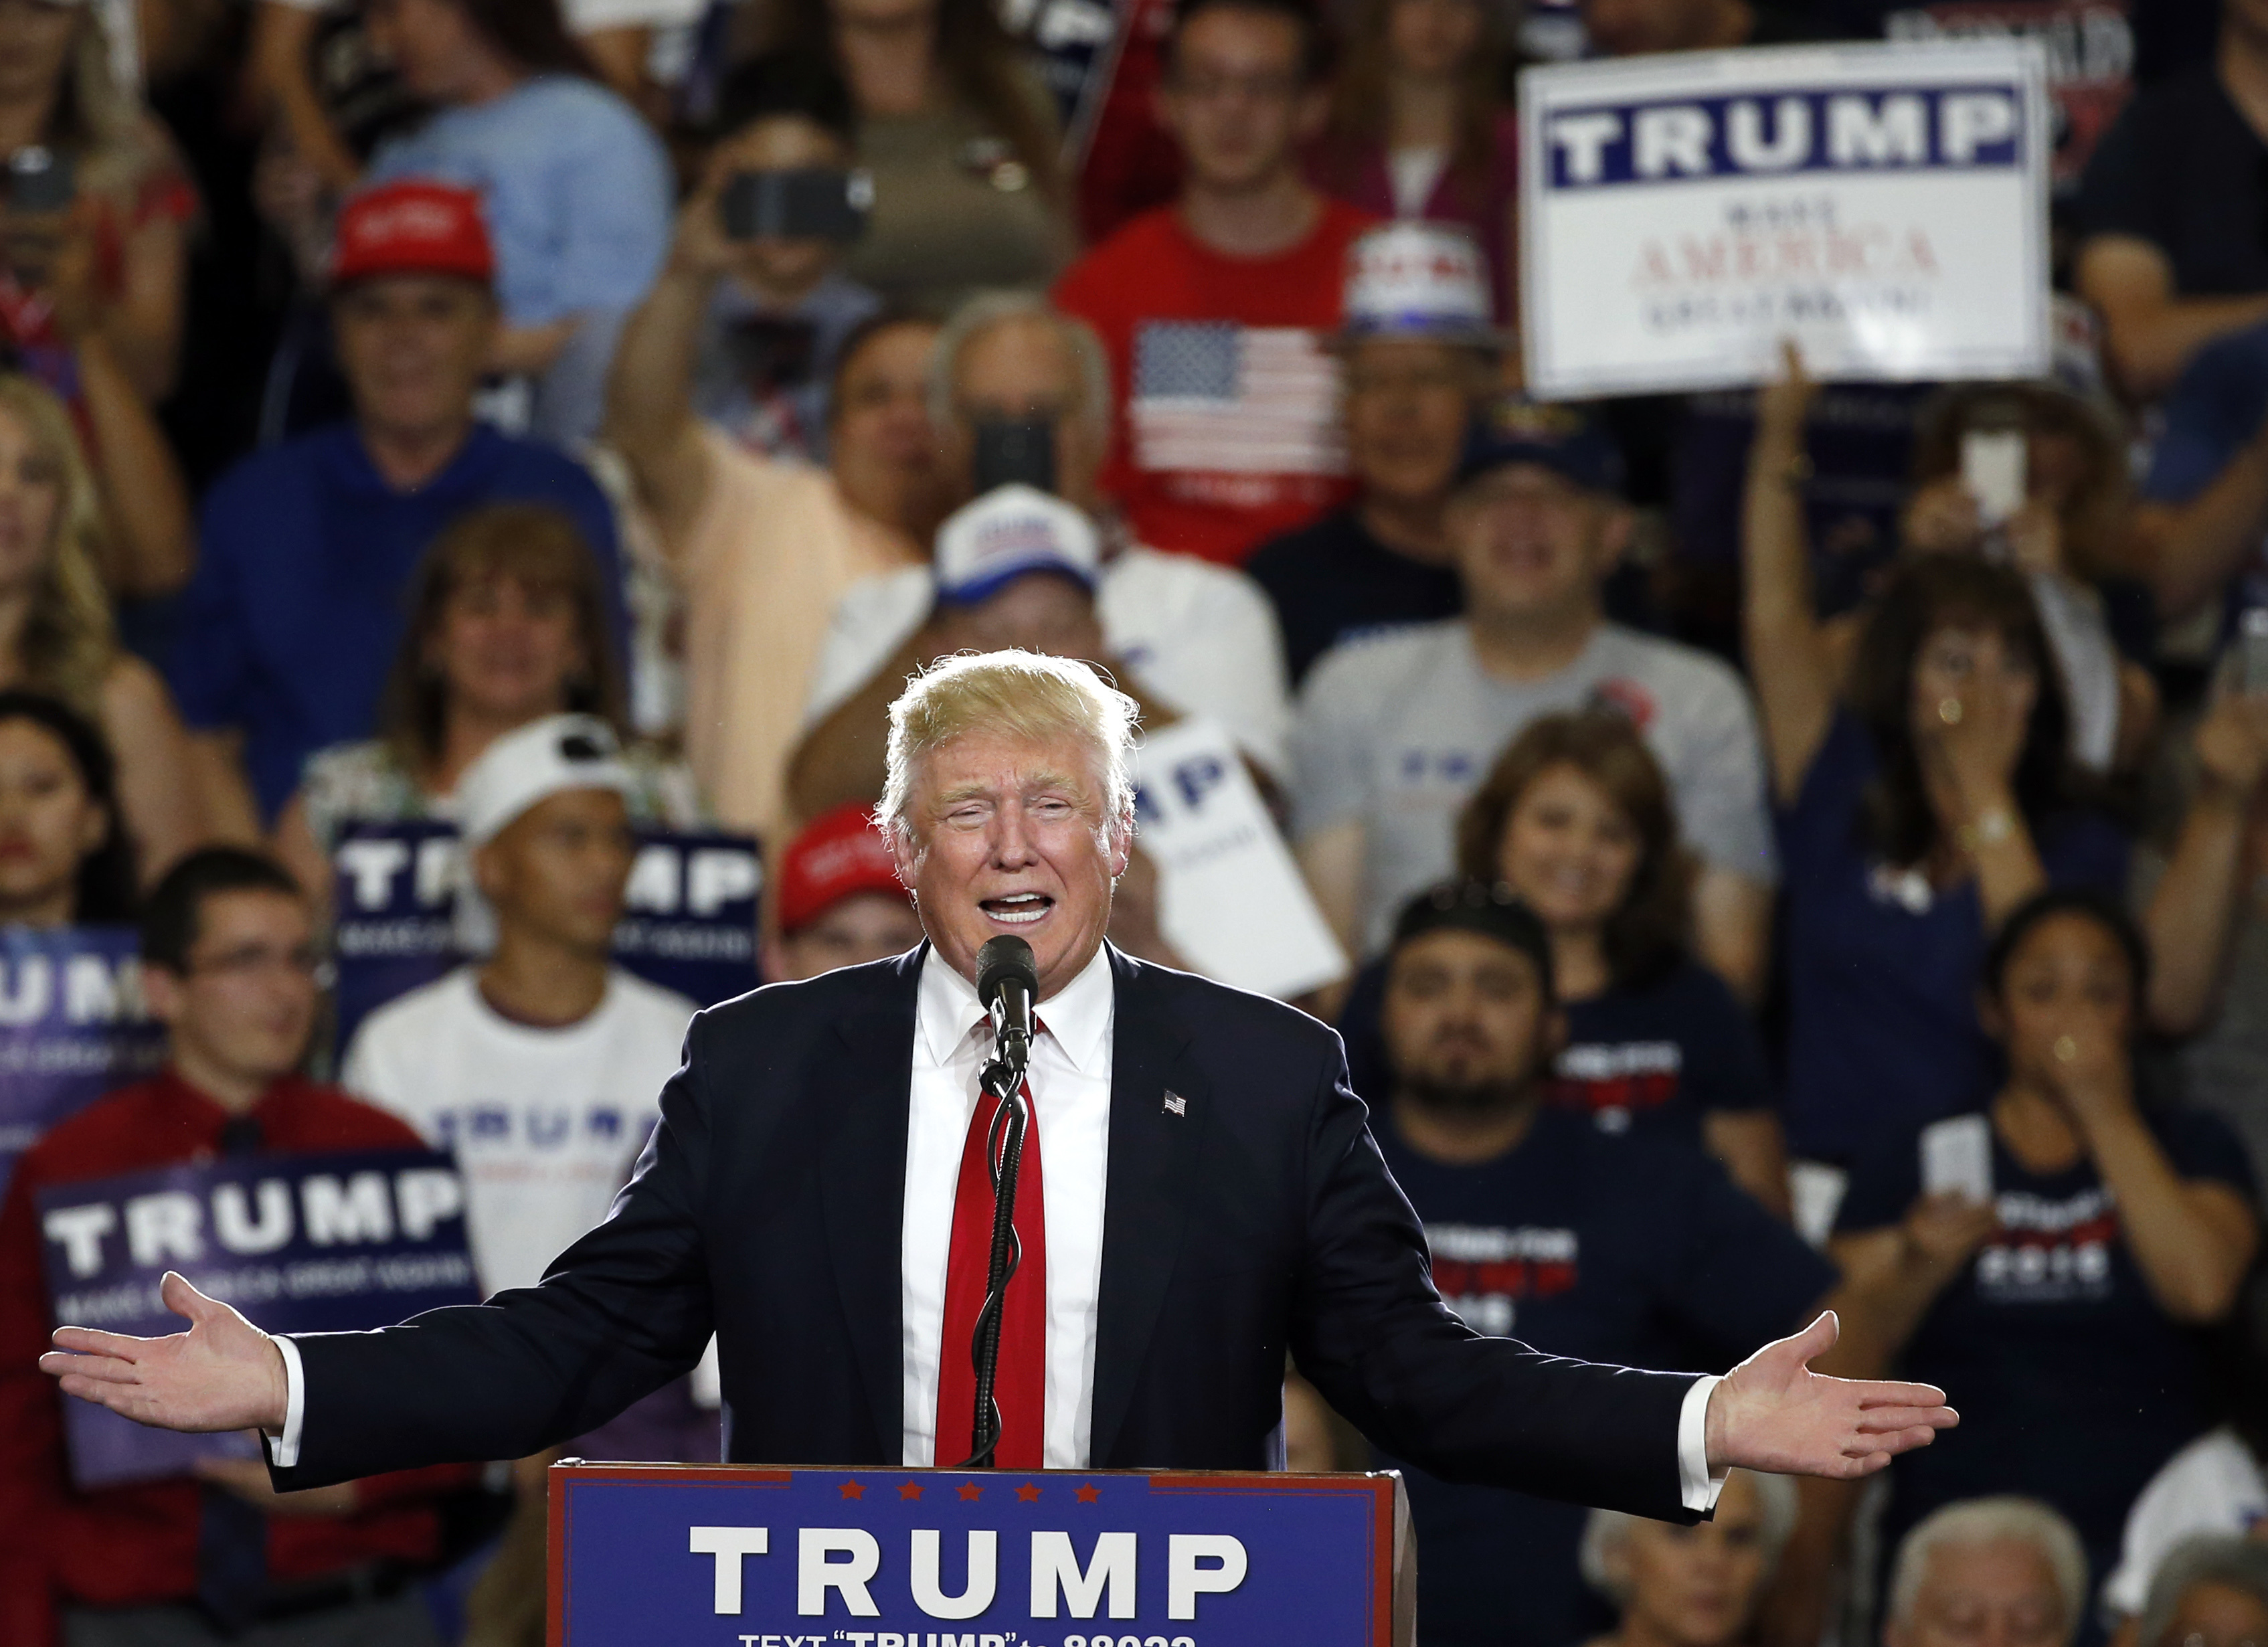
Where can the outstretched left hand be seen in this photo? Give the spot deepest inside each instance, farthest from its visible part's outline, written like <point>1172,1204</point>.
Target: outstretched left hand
<point>1774,1414</point>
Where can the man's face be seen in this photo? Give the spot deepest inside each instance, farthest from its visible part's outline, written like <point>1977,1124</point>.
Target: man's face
<point>413,347</point>
<point>1025,370</point>
<point>1236,99</point>
<point>1632,28</point>
<point>558,870</point>
<point>1465,1021</point>
<point>863,926</point>
<point>2000,1594</point>
<point>1009,835</point>
<point>780,142</point>
<point>245,1001</point>
<point>1530,543</point>
<point>1406,404</point>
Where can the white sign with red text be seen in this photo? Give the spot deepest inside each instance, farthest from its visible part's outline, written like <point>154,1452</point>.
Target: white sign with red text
<point>1883,206</point>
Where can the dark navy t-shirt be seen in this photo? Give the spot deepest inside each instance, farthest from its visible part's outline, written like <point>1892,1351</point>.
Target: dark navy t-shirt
<point>2072,1386</point>
<point>290,625</point>
<point>1661,1054</point>
<point>1333,581</point>
<point>2211,416</point>
<point>1580,1244</point>
<point>1882,969</point>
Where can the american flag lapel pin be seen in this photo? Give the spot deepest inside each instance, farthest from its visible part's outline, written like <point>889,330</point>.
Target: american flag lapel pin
<point>1175,1104</point>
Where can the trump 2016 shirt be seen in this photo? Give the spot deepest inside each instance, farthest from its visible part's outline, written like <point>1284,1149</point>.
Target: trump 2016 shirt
<point>1580,1244</point>
<point>2073,1385</point>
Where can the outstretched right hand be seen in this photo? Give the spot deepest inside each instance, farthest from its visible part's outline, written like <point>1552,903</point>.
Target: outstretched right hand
<point>224,1373</point>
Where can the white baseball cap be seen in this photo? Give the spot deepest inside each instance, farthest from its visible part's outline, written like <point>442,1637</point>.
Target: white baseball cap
<point>542,759</point>
<point>1010,531</point>
<point>1425,280</point>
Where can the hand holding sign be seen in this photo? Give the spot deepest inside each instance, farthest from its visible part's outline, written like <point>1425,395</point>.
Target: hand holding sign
<point>224,1373</point>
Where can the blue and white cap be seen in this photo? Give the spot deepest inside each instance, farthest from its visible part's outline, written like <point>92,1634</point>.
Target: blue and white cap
<point>1422,280</point>
<point>1010,531</point>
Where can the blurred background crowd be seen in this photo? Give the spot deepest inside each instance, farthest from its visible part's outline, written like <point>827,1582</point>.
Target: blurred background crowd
<point>1772,874</point>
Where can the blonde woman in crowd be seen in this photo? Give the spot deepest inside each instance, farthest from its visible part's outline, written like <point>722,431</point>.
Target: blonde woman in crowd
<point>1690,1586</point>
<point>56,635</point>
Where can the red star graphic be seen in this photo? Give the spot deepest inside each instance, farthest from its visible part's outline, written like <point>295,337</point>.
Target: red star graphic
<point>910,1490</point>
<point>852,1489</point>
<point>1089,1492</point>
<point>970,1490</point>
<point>1028,1493</point>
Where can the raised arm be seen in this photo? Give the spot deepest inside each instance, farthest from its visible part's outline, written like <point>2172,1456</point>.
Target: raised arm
<point>1787,654</point>
<point>2188,551</point>
<point>2150,331</point>
<point>2192,915</point>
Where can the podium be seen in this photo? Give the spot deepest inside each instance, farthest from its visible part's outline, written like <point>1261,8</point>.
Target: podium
<point>733,1555</point>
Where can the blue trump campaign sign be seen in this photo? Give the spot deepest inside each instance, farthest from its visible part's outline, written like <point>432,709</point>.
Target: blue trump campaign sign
<point>1882,206</point>
<point>721,1556</point>
<point>299,1243</point>
<point>690,924</point>
<point>72,1027</point>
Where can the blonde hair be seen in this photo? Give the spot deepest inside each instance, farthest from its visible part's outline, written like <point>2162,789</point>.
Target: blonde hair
<point>70,640</point>
<point>1608,1530</point>
<point>2006,1519</point>
<point>1025,695</point>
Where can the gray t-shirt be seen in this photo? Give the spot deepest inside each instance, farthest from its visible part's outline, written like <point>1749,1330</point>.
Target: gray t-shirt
<point>1395,732</point>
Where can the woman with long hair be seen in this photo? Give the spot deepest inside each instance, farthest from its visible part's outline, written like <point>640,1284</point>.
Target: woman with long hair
<point>99,223</point>
<point>958,134</point>
<point>1420,126</point>
<point>507,624</point>
<point>65,857</point>
<point>1921,798</point>
<point>1577,818</point>
<point>56,635</point>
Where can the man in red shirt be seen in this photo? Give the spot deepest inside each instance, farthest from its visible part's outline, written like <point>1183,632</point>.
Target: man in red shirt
<point>230,967</point>
<point>1216,309</point>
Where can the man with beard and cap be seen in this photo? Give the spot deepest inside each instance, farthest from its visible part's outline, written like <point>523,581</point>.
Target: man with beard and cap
<point>1581,1243</point>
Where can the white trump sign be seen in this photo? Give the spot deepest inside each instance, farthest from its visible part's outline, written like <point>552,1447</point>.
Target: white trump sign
<point>1883,206</point>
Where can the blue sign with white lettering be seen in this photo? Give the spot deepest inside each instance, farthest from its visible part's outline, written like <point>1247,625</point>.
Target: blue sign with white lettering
<point>299,1243</point>
<point>739,1557</point>
<point>72,1027</point>
<point>689,924</point>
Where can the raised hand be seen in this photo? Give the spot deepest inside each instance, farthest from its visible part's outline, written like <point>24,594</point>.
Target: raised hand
<point>1774,1414</point>
<point>224,1373</point>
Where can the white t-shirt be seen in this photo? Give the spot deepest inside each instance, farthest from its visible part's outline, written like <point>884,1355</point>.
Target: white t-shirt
<point>546,1122</point>
<point>2212,1485</point>
<point>1201,637</point>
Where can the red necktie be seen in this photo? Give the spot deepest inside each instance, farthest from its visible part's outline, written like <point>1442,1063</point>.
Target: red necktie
<point>1019,1386</point>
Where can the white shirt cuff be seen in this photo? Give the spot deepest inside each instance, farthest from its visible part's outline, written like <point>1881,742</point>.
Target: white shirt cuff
<point>283,1450</point>
<point>1697,1488</point>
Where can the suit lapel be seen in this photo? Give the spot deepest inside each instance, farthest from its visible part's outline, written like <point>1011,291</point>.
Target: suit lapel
<point>1153,1149</point>
<point>863,1188</point>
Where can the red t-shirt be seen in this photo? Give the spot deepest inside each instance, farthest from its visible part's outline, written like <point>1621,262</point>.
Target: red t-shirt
<point>130,1546</point>
<point>1228,399</point>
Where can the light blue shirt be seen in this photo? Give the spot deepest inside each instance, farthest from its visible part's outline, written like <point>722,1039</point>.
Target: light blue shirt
<point>577,190</point>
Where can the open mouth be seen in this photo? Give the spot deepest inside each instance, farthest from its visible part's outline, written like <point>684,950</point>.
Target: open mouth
<point>1018,909</point>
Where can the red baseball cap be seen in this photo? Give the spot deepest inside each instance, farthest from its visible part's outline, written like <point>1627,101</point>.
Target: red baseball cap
<point>415,226</point>
<point>838,853</point>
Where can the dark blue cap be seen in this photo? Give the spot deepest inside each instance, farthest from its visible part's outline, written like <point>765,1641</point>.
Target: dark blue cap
<point>1561,438</point>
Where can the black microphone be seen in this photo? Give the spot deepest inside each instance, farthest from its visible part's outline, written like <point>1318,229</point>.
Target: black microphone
<point>1008,984</point>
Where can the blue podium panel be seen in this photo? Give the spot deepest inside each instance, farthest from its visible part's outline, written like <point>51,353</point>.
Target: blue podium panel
<point>723,1555</point>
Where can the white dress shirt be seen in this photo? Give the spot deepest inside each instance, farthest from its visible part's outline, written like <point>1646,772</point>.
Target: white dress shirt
<point>1069,1077</point>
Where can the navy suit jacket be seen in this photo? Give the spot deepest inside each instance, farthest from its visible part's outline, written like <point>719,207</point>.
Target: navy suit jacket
<point>1254,1219</point>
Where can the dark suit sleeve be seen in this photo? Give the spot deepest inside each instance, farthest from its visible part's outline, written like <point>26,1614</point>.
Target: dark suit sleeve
<point>1371,1333</point>
<point>618,1315</point>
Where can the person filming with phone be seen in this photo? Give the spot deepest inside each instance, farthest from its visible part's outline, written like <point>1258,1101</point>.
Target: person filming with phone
<point>1022,399</point>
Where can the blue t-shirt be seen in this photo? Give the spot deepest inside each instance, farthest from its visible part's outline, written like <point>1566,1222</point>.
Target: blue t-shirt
<point>292,621</point>
<point>1882,969</point>
<point>1578,1244</point>
<point>1661,1054</point>
<point>2072,1386</point>
<point>2214,409</point>
<point>576,188</point>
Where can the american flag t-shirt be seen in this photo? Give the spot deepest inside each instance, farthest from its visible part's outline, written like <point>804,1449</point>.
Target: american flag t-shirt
<point>1212,396</point>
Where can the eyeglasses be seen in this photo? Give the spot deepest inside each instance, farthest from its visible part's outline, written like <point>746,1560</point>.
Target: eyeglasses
<point>237,966</point>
